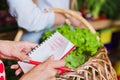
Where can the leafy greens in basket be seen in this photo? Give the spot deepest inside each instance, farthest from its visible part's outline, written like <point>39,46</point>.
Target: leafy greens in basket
<point>85,41</point>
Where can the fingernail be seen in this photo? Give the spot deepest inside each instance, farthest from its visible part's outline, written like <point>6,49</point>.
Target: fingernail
<point>17,73</point>
<point>12,67</point>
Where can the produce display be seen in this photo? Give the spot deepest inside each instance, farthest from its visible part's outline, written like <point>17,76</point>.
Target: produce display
<point>94,9</point>
<point>117,69</point>
<point>85,41</point>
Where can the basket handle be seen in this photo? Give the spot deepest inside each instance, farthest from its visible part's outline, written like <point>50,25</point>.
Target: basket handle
<point>19,34</point>
<point>75,15</point>
<point>78,17</point>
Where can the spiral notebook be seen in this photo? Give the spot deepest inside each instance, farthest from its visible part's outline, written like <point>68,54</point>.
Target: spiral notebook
<point>56,45</point>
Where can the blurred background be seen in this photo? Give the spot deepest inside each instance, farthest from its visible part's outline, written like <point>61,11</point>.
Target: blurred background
<point>104,16</point>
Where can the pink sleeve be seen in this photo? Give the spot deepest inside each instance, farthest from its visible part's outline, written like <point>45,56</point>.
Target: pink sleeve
<point>2,71</point>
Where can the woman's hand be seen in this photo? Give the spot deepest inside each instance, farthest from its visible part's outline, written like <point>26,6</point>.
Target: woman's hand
<point>15,50</point>
<point>73,20</point>
<point>61,19</point>
<point>45,71</point>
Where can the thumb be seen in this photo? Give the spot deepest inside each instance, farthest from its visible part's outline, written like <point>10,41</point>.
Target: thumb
<point>50,59</point>
<point>59,63</point>
<point>56,63</point>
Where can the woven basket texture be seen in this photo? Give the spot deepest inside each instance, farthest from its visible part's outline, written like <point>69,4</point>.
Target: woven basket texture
<point>97,67</point>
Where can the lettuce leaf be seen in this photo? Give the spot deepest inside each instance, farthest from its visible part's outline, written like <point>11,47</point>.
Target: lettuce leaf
<point>85,41</point>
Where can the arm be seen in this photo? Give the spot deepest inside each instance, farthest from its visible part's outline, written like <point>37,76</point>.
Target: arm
<point>31,18</point>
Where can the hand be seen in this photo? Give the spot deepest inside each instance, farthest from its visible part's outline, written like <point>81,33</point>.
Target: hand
<point>61,19</point>
<point>74,21</point>
<point>45,71</point>
<point>15,50</point>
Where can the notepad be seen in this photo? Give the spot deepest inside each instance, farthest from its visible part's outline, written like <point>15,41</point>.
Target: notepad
<point>56,45</point>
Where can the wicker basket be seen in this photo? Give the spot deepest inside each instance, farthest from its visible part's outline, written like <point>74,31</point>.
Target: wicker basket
<point>97,67</point>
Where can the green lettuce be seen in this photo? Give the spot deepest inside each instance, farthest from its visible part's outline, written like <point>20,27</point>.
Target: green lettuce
<point>85,41</point>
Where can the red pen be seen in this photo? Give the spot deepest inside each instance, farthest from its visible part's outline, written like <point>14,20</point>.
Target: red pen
<point>61,68</point>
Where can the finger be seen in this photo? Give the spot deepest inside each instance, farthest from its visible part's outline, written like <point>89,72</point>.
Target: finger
<point>15,66</point>
<point>22,56</point>
<point>54,64</point>
<point>53,78</point>
<point>50,59</point>
<point>18,71</point>
<point>29,44</point>
<point>57,64</point>
<point>26,50</point>
<point>79,13</point>
<point>53,74</point>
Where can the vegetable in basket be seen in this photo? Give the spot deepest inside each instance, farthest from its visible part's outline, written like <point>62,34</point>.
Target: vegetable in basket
<point>85,41</point>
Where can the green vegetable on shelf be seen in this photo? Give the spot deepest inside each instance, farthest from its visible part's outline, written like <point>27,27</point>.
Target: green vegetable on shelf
<point>85,41</point>
<point>94,7</point>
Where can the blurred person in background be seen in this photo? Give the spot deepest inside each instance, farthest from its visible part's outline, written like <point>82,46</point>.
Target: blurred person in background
<point>34,16</point>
